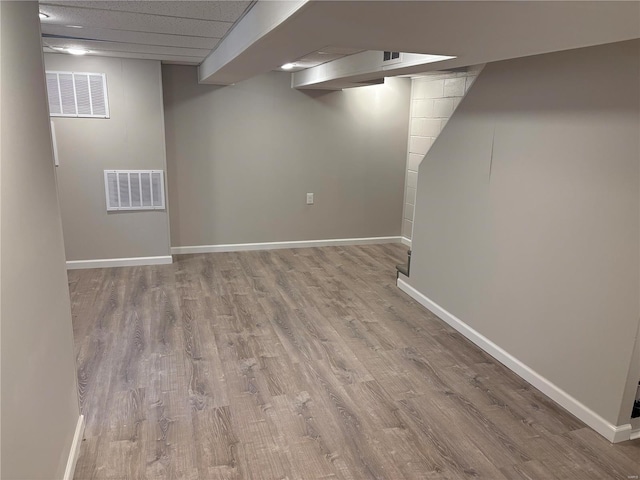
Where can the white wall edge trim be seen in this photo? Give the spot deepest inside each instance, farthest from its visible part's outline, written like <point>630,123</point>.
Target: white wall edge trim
<point>119,262</point>
<point>634,434</point>
<point>238,247</point>
<point>75,449</point>
<point>611,432</point>
<point>405,241</point>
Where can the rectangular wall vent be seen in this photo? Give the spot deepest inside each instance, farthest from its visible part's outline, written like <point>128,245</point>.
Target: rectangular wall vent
<point>77,94</point>
<point>134,189</point>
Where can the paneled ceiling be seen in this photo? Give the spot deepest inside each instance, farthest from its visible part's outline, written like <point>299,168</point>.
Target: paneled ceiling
<point>177,31</point>
<point>232,40</point>
<point>171,31</point>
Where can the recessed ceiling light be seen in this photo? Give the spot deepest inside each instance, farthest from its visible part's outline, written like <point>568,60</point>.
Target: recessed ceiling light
<point>288,66</point>
<point>43,15</point>
<point>77,51</point>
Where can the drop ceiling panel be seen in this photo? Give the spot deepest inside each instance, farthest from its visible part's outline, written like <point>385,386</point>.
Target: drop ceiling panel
<point>139,38</point>
<point>222,11</point>
<point>117,47</point>
<point>175,59</point>
<point>137,22</point>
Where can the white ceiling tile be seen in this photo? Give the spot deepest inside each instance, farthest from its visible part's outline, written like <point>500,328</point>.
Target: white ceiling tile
<point>223,11</point>
<point>171,31</point>
<point>142,38</point>
<point>132,21</point>
<point>145,56</point>
<point>232,9</point>
<point>96,47</point>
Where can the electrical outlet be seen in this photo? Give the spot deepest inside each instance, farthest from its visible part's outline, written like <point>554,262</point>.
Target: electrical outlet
<point>309,198</point>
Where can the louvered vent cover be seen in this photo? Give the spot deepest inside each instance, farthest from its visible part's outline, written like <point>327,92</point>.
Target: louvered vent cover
<point>77,94</point>
<point>391,57</point>
<point>134,189</point>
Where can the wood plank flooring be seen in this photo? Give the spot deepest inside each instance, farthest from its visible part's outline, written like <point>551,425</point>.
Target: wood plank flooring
<point>303,364</point>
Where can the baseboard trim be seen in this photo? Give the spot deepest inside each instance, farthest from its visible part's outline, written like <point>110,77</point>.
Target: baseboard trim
<point>611,432</point>
<point>620,433</point>
<point>406,241</point>
<point>75,449</point>
<point>634,434</point>
<point>118,262</point>
<point>239,247</point>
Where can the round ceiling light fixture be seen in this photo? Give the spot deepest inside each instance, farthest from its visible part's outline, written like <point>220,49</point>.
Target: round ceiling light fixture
<point>288,66</point>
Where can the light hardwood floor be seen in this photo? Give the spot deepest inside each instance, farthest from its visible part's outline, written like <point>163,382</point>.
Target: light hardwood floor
<point>304,364</point>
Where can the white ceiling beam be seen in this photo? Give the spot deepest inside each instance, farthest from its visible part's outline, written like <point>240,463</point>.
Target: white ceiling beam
<point>259,22</point>
<point>362,67</point>
<point>475,32</point>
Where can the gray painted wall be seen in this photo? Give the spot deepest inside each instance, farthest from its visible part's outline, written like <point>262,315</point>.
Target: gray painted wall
<point>241,159</point>
<point>39,394</point>
<point>527,217</point>
<point>133,138</point>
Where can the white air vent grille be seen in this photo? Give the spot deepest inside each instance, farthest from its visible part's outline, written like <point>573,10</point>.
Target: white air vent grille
<point>77,94</point>
<point>390,58</point>
<point>134,189</point>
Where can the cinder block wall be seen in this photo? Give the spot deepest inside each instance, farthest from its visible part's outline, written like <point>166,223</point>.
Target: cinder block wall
<point>434,97</point>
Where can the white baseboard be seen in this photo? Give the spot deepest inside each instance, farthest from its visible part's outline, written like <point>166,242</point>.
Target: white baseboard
<point>75,449</point>
<point>405,241</point>
<point>634,434</point>
<point>238,247</point>
<point>118,262</point>
<point>611,432</point>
